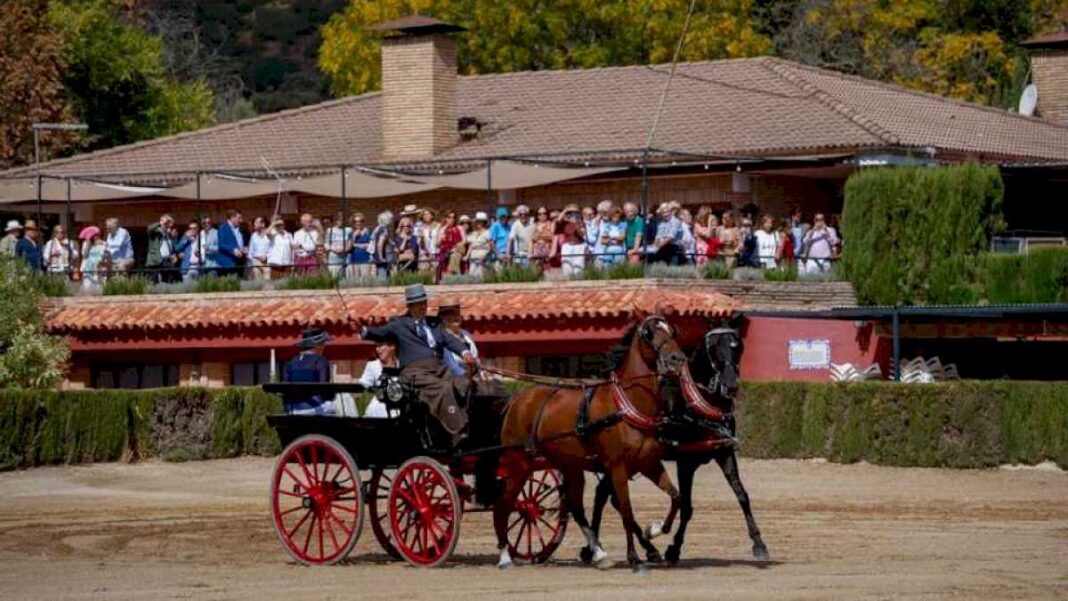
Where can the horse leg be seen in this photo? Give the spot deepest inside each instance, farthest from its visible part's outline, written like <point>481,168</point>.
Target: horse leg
<point>686,469</point>
<point>659,476</point>
<point>519,468</point>
<point>729,464</point>
<point>600,498</point>
<point>574,487</point>
<point>621,492</point>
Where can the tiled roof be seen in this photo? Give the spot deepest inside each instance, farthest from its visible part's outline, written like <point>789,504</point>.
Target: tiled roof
<point>323,308</point>
<point>742,108</point>
<point>793,296</point>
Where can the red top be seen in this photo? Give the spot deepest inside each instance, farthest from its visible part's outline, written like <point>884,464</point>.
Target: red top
<point>450,238</point>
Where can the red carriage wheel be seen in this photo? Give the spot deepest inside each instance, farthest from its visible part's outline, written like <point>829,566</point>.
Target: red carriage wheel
<point>424,512</point>
<point>316,501</point>
<point>377,507</point>
<point>537,523</point>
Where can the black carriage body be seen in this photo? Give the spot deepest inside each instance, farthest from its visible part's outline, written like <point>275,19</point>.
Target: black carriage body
<point>373,443</point>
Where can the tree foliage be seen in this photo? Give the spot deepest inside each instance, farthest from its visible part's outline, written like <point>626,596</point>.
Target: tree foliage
<point>530,34</point>
<point>29,358</point>
<point>116,79</point>
<point>30,81</point>
<point>913,234</point>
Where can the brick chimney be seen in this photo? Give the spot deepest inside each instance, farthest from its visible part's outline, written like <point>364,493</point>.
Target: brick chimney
<point>1049,73</point>
<point>418,87</point>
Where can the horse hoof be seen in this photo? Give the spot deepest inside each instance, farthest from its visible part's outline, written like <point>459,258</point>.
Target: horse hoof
<point>601,560</point>
<point>586,555</point>
<point>654,530</point>
<point>761,552</point>
<point>504,565</point>
<point>640,569</point>
<point>653,556</point>
<point>672,555</point>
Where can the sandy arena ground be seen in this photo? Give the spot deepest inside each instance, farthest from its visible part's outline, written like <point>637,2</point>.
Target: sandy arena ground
<point>201,531</point>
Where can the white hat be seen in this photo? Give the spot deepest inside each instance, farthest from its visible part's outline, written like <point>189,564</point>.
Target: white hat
<point>410,210</point>
<point>481,216</point>
<point>13,225</point>
<point>463,219</point>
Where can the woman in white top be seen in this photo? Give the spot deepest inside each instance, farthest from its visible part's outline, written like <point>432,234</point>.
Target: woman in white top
<point>60,253</point>
<point>426,232</point>
<point>280,255</point>
<point>386,353</point>
<point>573,255</point>
<point>259,247</point>
<point>305,244</point>
<point>479,246</point>
<point>767,244</point>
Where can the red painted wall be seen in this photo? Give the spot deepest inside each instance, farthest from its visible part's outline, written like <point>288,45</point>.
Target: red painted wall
<point>767,340</point>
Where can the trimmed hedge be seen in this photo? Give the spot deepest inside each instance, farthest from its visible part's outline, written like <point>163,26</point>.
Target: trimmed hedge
<point>1041,276</point>
<point>966,424</point>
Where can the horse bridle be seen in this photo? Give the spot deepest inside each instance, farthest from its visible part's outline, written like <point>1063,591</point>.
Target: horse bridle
<point>717,372</point>
<point>645,331</point>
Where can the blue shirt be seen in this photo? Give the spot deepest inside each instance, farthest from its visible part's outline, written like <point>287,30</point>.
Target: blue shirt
<point>306,367</point>
<point>359,254</point>
<point>499,234</point>
<point>29,253</point>
<point>670,229</point>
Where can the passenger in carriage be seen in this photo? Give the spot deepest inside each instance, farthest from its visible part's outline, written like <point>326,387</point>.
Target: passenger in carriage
<point>385,358</point>
<point>309,366</point>
<point>420,347</point>
<point>451,321</point>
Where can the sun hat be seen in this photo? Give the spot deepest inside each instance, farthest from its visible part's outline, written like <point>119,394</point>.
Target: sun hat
<point>88,232</point>
<point>481,216</point>
<point>31,224</point>
<point>313,337</point>
<point>448,305</point>
<point>13,226</point>
<point>502,212</point>
<point>410,210</point>
<point>416,293</point>
<point>463,219</point>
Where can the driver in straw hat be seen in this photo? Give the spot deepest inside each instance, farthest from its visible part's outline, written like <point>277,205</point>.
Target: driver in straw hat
<point>420,347</point>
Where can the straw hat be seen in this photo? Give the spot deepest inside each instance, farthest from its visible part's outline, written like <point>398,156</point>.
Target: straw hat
<point>410,210</point>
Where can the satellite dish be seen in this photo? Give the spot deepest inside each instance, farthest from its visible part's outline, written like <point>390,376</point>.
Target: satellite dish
<point>1028,100</point>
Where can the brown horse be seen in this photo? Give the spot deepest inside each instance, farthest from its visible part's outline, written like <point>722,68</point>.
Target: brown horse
<point>613,431</point>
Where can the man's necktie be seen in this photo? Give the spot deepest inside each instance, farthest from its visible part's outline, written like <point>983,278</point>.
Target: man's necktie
<point>424,332</point>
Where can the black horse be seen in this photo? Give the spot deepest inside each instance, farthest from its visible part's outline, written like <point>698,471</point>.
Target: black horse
<point>714,367</point>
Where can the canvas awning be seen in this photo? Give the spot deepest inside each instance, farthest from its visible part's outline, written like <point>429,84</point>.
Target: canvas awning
<point>509,175</point>
<point>358,184</point>
<point>55,190</point>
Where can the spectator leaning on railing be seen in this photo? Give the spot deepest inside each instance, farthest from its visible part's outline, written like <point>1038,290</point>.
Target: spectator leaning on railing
<point>60,254</point>
<point>819,245</point>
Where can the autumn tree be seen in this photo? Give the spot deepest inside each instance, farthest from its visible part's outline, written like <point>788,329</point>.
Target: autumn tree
<point>116,79</point>
<point>31,89</point>
<point>531,34</point>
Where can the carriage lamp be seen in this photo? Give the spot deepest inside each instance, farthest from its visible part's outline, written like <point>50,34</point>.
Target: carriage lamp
<point>394,391</point>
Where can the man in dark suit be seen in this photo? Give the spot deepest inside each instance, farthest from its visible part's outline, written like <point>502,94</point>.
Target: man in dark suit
<point>419,349</point>
<point>231,245</point>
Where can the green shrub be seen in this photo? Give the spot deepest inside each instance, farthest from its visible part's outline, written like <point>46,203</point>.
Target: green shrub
<point>671,272</point>
<point>717,270</point>
<point>1040,276</point>
<point>51,284</point>
<point>619,271</point>
<point>748,274</point>
<point>407,278</point>
<point>511,273</point>
<point>786,273</point>
<point>914,232</point>
<point>211,283</point>
<point>123,285</point>
<point>321,280</point>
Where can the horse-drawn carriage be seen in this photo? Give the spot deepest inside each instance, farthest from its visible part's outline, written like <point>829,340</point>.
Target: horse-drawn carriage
<point>620,426</point>
<point>412,490</point>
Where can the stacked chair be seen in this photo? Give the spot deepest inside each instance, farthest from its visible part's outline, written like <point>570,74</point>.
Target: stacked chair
<point>929,370</point>
<point>847,372</point>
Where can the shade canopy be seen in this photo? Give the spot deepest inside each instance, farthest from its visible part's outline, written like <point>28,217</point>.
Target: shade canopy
<point>509,175</point>
<point>358,184</point>
<point>55,190</point>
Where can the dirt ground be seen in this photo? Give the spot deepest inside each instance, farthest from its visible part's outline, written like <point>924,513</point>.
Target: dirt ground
<point>201,531</point>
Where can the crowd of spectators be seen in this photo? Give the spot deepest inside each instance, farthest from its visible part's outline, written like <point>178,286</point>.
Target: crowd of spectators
<point>567,240</point>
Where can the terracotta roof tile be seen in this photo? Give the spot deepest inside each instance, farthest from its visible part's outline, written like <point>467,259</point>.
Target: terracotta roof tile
<point>516,302</point>
<point>742,107</point>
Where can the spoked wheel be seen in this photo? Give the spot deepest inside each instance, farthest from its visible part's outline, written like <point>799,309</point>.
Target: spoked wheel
<point>316,500</point>
<point>537,523</point>
<point>378,508</point>
<point>424,512</point>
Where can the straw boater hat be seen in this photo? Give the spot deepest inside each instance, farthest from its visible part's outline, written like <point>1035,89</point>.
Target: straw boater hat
<point>313,337</point>
<point>30,225</point>
<point>415,293</point>
<point>410,210</point>
<point>12,226</point>
<point>449,305</point>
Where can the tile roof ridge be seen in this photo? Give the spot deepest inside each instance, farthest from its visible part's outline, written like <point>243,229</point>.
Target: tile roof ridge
<point>782,69</point>
<point>132,146</point>
<point>930,95</point>
<point>579,70</point>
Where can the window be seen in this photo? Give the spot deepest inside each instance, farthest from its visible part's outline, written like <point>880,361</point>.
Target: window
<point>134,376</point>
<point>250,374</point>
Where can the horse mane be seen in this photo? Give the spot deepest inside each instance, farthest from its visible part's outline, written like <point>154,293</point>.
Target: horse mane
<point>615,356</point>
